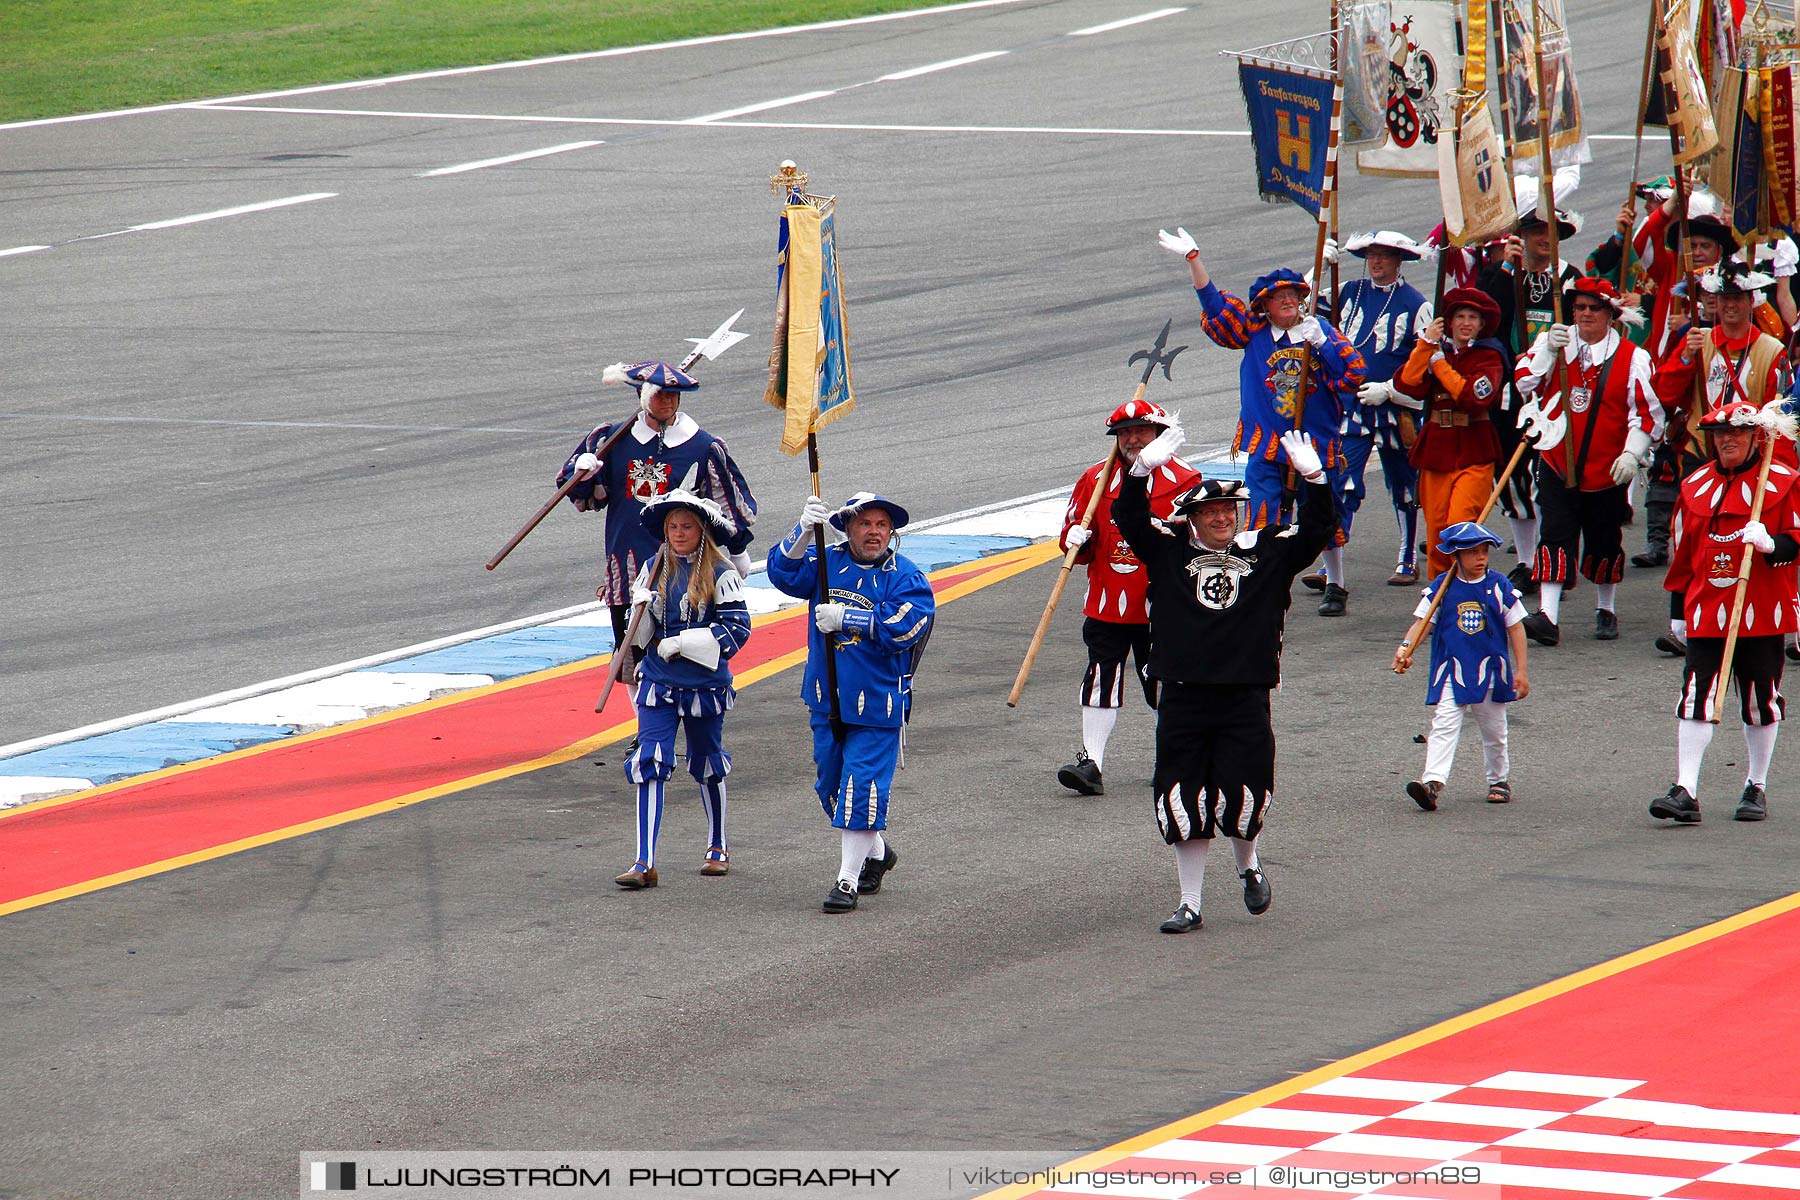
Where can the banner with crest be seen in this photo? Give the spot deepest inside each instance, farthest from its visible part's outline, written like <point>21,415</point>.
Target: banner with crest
<point>809,366</point>
<point>1423,59</point>
<point>1518,79</point>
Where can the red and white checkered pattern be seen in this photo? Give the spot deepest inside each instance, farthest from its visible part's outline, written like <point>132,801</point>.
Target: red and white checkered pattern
<point>1534,1136</point>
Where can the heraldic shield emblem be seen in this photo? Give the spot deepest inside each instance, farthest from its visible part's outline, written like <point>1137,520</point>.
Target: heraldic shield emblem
<point>1216,579</point>
<point>1471,617</point>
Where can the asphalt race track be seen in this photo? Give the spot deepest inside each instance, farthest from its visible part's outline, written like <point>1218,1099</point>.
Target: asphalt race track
<point>243,447</point>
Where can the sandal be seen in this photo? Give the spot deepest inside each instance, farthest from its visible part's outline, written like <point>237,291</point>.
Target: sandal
<point>1425,795</point>
<point>1499,793</point>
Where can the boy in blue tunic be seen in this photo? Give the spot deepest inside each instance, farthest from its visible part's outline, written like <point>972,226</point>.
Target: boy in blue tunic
<point>878,618</point>
<point>1470,669</point>
<point>695,620</point>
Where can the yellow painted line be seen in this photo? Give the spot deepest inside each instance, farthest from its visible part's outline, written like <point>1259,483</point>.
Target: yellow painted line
<point>1412,1041</point>
<point>1003,560</point>
<point>1005,567</point>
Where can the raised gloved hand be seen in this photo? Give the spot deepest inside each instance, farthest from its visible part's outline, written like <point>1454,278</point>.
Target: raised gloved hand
<point>586,462</point>
<point>829,617</point>
<point>1077,536</point>
<point>1310,329</point>
<point>669,647</point>
<point>1180,242</point>
<point>1374,395</point>
<point>814,513</point>
<point>1624,467</point>
<point>1303,456</point>
<point>1331,250</point>
<point>1559,336</point>
<point>1160,450</point>
<point>1756,534</point>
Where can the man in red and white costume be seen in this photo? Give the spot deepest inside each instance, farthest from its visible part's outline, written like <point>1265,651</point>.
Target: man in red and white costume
<point>1604,398</point>
<point>1117,621</point>
<point>1712,528</point>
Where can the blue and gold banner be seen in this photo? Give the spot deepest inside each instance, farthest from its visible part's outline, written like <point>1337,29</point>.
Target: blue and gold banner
<point>1290,125</point>
<point>809,367</point>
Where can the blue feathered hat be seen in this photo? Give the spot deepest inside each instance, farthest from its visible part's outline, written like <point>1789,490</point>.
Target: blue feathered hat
<point>1465,535</point>
<point>855,504</point>
<point>657,374</point>
<point>1280,277</point>
<point>657,510</point>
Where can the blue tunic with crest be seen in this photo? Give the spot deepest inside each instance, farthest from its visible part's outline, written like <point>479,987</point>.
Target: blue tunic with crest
<point>1382,323</point>
<point>1468,640</point>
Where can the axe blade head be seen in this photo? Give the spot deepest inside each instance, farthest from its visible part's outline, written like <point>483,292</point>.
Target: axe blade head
<point>719,340</point>
<point>1545,431</point>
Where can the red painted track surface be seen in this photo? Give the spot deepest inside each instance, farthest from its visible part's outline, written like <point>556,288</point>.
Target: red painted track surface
<point>184,814</point>
<point>1673,1072</point>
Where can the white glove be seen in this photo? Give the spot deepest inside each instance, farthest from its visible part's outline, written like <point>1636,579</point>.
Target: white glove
<point>1077,536</point>
<point>814,514</point>
<point>1757,535</point>
<point>1180,242</point>
<point>669,647</point>
<point>1679,629</point>
<point>1374,395</point>
<point>740,562</point>
<point>1624,467</point>
<point>1310,329</point>
<point>1331,250</point>
<point>1159,452</point>
<point>1302,456</point>
<point>829,617</point>
<point>1543,361</point>
<point>587,462</point>
<point>641,595</point>
<point>1558,336</point>
<point>699,645</point>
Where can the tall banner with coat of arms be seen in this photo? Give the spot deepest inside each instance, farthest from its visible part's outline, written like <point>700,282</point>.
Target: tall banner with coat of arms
<point>1424,61</point>
<point>1685,90</point>
<point>809,367</point>
<point>1289,107</point>
<point>1519,42</point>
<point>1473,181</point>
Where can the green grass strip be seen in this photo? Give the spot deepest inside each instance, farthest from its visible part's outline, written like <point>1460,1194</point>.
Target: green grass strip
<point>60,57</point>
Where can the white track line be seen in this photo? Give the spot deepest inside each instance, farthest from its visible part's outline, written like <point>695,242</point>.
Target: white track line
<point>1137,20</point>
<point>22,250</point>
<point>615,52</point>
<point>929,68</point>
<point>764,106</point>
<point>196,218</point>
<point>114,418</point>
<point>508,158</point>
<point>706,123</point>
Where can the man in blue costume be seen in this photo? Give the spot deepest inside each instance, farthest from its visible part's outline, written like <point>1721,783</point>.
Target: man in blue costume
<point>1381,316</point>
<point>663,450</point>
<point>1280,344</point>
<point>877,619</point>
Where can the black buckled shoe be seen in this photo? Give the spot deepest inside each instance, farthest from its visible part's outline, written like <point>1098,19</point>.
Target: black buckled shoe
<point>1541,629</point>
<point>1668,643</point>
<point>841,898</point>
<point>1333,604</point>
<point>1082,776</point>
<point>1753,805</point>
<point>1425,795</point>
<point>1257,892</point>
<point>868,882</point>
<point>1520,578</point>
<point>1792,650</point>
<point>1185,919</point>
<point>1677,806</point>
<point>1606,625</point>
<point>1651,558</point>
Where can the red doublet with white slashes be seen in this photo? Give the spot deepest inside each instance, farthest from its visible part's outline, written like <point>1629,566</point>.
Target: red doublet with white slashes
<point>1116,580</point>
<point>1705,551</point>
<point>1603,418</point>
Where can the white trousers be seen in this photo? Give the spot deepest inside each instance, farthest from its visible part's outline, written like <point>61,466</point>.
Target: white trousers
<point>1446,731</point>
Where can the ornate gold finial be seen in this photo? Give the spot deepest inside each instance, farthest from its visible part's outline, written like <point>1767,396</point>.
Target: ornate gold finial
<point>788,179</point>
